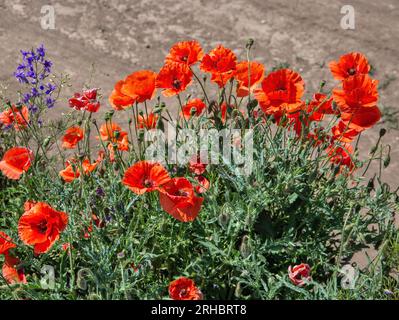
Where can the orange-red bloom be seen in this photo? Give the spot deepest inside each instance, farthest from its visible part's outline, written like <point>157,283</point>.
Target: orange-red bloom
<point>299,274</point>
<point>193,107</point>
<point>117,99</point>
<point>185,52</point>
<point>342,132</point>
<point>184,289</point>
<point>173,78</point>
<point>112,132</point>
<point>71,172</point>
<point>72,136</point>
<point>196,166</point>
<point>40,226</point>
<point>144,122</point>
<point>178,199</point>
<point>12,272</point>
<point>357,92</point>
<point>145,176</point>
<point>140,85</point>
<point>281,92</point>
<point>362,118</point>
<point>6,243</point>
<point>341,155</point>
<point>15,162</point>
<point>19,117</point>
<point>221,63</point>
<point>203,184</point>
<point>248,77</point>
<point>349,65</point>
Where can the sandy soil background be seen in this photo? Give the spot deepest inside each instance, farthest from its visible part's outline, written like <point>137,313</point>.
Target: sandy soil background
<point>121,36</point>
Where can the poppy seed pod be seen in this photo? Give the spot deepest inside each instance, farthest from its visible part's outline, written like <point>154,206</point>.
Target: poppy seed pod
<point>245,249</point>
<point>224,219</point>
<point>383,131</point>
<point>250,43</point>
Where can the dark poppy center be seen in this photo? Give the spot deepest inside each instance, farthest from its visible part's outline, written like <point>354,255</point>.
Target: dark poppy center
<point>176,84</point>
<point>148,183</point>
<point>182,193</point>
<point>184,58</point>
<point>42,227</point>
<point>351,71</point>
<point>183,292</point>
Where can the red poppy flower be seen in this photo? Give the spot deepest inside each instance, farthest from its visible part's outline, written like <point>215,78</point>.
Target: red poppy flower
<point>41,226</point>
<point>19,117</point>
<point>15,162</point>
<point>248,77</point>
<point>359,91</point>
<point>342,132</point>
<point>193,107</point>
<point>184,289</point>
<point>150,122</point>
<point>281,92</point>
<point>118,100</point>
<point>140,85</point>
<point>203,184</point>
<point>145,176</point>
<point>6,243</point>
<point>320,106</point>
<point>349,65</point>
<point>341,155</point>
<point>71,172</point>
<point>112,132</point>
<point>173,78</point>
<point>195,165</point>
<point>362,118</point>
<point>299,274</point>
<point>177,198</point>
<point>186,52</point>
<point>11,271</point>
<point>221,63</point>
<point>72,136</point>
<point>85,101</point>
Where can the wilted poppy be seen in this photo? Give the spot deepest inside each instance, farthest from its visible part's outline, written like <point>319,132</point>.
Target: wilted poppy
<point>12,272</point>
<point>145,176</point>
<point>221,63</point>
<point>147,122</point>
<point>6,243</point>
<point>118,100</point>
<point>72,136</point>
<point>140,85</point>
<point>85,101</point>
<point>248,77</point>
<point>173,78</point>
<point>15,162</point>
<point>281,92</point>
<point>349,65</point>
<point>18,117</point>
<point>184,289</point>
<point>185,52</point>
<point>41,226</point>
<point>178,199</point>
<point>299,274</point>
<point>193,107</point>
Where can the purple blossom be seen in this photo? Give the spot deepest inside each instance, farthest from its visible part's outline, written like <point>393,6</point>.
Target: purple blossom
<point>33,72</point>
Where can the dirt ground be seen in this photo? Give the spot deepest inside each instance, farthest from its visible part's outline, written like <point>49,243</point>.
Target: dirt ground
<point>121,36</point>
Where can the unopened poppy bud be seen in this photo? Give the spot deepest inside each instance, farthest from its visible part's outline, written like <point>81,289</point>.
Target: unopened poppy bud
<point>81,156</point>
<point>322,84</point>
<point>204,78</point>
<point>79,123</point>
<point>238,290</point>
<point>117,134</point>
<point>141,135</point>
<point>244,247</point>
<point>387,161</point>
<point>160,125</point>
<point>383,131</point>
<point>250,43</point>
<point>46,142</point>
<point>370,185</point>
<point>94,121</point>
<point>224,219</point>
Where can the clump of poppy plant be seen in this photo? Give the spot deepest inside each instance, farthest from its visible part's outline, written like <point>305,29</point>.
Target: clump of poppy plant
<point>100,212</point>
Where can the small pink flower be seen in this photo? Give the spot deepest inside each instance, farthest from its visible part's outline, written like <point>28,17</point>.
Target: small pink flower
<point>299,274</point>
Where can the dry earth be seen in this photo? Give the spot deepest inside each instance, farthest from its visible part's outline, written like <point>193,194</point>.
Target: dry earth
<point>120,36</point>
